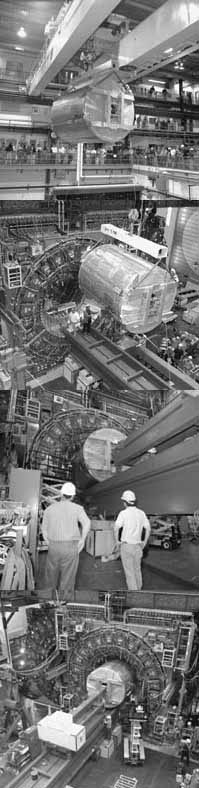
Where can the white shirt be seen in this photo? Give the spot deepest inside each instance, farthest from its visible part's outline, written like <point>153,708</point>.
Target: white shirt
<point>75,318</point>
<point>132,520</point>
<point>61,522</point>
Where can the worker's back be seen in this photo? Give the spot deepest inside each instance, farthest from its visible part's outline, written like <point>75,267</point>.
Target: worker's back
<point>133,520</point>
<point>62,520</point>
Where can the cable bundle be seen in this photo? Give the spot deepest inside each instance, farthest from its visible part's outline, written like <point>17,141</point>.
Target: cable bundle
<point>18,572</point>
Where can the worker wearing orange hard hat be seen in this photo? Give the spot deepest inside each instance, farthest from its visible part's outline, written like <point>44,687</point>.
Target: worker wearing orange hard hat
<point>134,529</point>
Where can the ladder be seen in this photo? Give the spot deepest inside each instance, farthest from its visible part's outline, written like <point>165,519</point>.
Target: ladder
<point>159,726</point>
<point>168,657</point>
<point>182,646</point>
<point>135,732</point>
<point>135,751</point>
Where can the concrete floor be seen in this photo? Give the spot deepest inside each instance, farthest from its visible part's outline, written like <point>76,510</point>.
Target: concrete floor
<point>177,570</point>
<point>159,771</point>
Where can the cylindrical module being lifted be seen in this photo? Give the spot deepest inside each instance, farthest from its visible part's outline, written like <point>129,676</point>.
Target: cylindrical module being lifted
<point>137,292</point>
<point>102,113</point>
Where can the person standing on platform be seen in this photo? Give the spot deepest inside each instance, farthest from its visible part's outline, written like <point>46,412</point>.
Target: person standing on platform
<point>65,527</point>
<point>134,529</point>
<point>87,320</point>
<point>74,319</point>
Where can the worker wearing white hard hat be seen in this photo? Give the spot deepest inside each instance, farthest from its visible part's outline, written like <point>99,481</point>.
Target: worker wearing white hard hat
<point>133,527</point>
<point>65,527</point>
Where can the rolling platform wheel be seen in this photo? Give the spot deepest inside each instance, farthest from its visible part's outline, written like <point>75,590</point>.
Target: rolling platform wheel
<point>166,545</point>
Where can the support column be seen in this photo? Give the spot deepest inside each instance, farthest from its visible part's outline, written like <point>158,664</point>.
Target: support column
<point>79,167</point>
<point>61,215</point>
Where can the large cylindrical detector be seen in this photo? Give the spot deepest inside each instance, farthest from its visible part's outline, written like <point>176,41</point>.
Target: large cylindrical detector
<point>103,113</point>
<point>137,292</point>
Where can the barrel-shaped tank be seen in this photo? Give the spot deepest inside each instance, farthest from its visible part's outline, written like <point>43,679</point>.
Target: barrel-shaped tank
<point>115,677</point>
<point>103,113</point>
<point>183,239</point>
<point>137,292</point>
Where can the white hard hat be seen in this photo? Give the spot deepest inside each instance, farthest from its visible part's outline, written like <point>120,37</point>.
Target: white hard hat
<point>68,489</point>
<point>128,496</point>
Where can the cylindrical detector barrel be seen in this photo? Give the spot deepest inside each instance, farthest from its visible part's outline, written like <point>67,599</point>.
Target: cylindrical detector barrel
<point>137,292</point>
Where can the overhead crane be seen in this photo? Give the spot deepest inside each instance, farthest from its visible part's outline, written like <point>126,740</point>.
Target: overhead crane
<point>80,21</point>
<point>173,26</point>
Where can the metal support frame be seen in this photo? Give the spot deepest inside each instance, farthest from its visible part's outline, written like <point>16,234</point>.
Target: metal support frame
<point>79,167</point>
<point>175,422</point>
<point>156,41</point>
<point>81,19</point>
<point>166,483</point>
<point>61,215</point>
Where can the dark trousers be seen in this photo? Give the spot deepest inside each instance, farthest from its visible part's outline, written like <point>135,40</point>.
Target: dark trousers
<point>61,569</point>
<point>87,326</point>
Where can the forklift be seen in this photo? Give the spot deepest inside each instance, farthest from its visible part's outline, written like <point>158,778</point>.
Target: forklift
<point>165,535</point>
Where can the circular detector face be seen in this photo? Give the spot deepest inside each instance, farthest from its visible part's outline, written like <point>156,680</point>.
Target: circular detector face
<point>115,678</point>
<point>97,452</point>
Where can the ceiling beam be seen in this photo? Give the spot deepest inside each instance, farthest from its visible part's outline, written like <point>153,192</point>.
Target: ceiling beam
<point>81,20</point>
<point>164,484</point>
<point>171,26</point>
<point>172,423</point>
<point>137,4</point>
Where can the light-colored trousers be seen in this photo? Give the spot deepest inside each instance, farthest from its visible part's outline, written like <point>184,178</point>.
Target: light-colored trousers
<point>131,556</point>
<point>61,569</point>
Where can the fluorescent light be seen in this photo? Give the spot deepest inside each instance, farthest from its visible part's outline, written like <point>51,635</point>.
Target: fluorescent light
<point>15,120</point>
<point>19,49</point>
<point>157,81</point>
<point>168,51</point>
<point>21,33</point>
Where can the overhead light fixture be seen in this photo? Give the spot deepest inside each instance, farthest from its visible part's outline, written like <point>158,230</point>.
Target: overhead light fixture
<point>168,51</point>
<point>19,49</point>
<point>15,120</point>
<point>152,451</point>
<point>179,66</point>
<point>157,81</point>
<point>21,32</point>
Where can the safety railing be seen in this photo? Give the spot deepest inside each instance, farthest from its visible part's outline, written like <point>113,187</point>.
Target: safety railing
<point>13,159</point>
<point>113,168</point>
